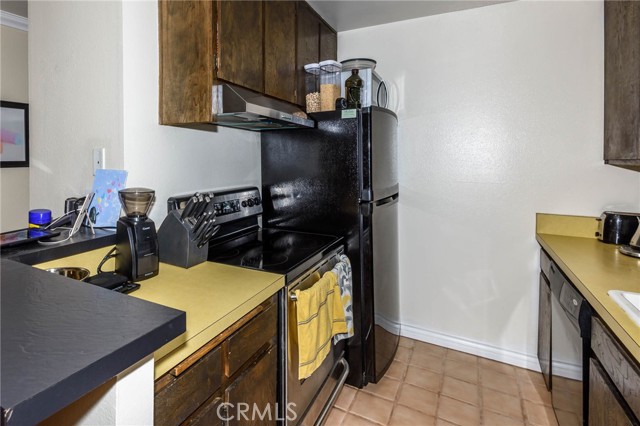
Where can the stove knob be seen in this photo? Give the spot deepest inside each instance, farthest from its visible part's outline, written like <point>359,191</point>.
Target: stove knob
<point>256,201</point>
<point>250,202</point>
<point>244,204</point>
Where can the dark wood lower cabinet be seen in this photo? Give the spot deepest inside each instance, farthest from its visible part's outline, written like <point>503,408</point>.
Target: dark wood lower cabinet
<point>185,393</point>
<point>604,407</point>
<point>614,380</point>
<point>230,379</point>
<point>211,413</point>
<point>619,367</point>
<point>251,397</point>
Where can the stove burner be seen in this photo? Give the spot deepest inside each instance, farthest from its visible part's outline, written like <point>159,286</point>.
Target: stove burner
<point>228,255</point>
<point>261,258</point>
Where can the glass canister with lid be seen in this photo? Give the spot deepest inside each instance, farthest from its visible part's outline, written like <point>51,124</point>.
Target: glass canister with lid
<point>373,91</point>
<point>330,84</point>
<point>312,87</point>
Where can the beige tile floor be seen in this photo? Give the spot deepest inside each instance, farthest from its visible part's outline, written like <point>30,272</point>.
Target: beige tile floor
<point>432,385</point>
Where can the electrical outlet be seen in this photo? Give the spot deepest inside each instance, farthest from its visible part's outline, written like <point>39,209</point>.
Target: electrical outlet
<point>98,159</point>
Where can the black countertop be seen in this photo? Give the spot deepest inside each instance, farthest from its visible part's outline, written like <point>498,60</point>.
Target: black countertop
<point>34,253</point>
<point>61,338</point>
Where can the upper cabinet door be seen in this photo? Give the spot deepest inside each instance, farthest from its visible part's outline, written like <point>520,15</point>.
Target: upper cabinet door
<point>280,50</point>
<point>622,84</point>
<point>308,29</point>
<point>240,43</point>
<point>186,61</point>
<point>328,43</point>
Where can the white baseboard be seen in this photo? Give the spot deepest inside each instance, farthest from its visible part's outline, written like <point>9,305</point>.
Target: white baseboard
<point>472,347</point>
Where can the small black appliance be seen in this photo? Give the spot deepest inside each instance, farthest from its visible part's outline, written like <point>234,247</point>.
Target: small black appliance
<point>136,239</point>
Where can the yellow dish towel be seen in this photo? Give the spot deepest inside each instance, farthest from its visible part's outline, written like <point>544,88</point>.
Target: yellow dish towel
<point>320,316</point>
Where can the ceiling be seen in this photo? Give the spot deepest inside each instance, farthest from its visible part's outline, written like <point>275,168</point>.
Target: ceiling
<point>344,15</point>
<point>17,7</point>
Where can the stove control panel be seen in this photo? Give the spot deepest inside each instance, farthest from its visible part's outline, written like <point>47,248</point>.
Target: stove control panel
<point>228,205</point>
<point>237,204</point>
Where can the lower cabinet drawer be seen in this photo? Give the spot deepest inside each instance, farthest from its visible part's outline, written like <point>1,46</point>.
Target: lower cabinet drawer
<point>182,396</point>
<point>243,344</point>
<point>624,373</point>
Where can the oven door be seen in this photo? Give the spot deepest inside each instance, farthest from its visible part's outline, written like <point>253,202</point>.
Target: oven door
<point>308,401</point>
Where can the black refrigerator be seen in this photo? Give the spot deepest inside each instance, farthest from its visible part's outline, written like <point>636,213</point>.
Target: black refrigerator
<point>341,178</point>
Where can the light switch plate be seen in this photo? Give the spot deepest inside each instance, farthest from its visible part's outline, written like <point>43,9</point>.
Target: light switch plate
<point>98,159</point>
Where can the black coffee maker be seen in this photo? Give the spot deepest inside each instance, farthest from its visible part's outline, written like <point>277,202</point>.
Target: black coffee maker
<point>136,238</point>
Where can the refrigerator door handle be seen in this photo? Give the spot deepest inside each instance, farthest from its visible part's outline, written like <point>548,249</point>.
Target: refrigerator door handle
<point>388,200</point>
<point>366,209</point>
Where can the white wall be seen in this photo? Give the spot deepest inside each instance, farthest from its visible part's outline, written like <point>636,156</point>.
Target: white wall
<point>14,87</point>
<point>75,81</point>
<point>94,83</point>
<point>500,116</point>
<point>172,160</point>
<point>126,399</point>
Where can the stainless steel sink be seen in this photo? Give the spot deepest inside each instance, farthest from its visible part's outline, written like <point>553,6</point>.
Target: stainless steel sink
<point>629,302</point>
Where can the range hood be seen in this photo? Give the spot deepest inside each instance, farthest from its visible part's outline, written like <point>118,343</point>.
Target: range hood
<point>241,108</point>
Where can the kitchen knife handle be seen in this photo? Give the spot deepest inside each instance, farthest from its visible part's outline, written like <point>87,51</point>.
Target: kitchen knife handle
<point>188,208</point>
<point>198,225</point>
<point>213,230</point>
<point>201,206</point>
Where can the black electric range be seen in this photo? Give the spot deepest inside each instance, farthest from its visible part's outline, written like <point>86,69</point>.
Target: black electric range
<point>279,251</point>
<point>240,241</point>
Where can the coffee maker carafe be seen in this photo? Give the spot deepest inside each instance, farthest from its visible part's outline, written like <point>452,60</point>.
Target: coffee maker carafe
<point>136,238</point>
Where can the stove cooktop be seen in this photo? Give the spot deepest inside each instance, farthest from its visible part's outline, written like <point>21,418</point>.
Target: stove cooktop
<point>282,252</point>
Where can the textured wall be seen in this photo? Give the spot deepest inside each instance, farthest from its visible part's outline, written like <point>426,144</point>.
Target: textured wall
<point>501,116</point>
<point>75,81</point>
<point>94,81</point>
<point>14,86</point>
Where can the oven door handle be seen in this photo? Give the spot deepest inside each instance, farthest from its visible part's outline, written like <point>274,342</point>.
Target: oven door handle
<point>321,267</point>
<point>334,393</point>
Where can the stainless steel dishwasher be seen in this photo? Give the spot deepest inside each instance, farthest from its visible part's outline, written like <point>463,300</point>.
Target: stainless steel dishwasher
<point>570,322</point>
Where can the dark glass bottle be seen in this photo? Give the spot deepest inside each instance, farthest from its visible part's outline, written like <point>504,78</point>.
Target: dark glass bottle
<point>353,89</point>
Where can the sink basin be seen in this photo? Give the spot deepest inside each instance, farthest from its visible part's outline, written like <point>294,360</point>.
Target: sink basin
<point>628,301</point>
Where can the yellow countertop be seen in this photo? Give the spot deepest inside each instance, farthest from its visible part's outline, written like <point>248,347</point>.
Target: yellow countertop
<point>213,295</point>
<point>594,268</point>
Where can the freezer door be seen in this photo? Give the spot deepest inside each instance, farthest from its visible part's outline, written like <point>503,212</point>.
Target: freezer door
<point>379,154</point>
<point>383,285</point>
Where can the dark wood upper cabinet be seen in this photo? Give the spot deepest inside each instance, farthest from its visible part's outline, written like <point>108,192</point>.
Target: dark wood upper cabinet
<point>280,50</point>
<point>240,43</point>
<point>328,43</point>
<point>316,42</point>
<point>186,34</point>
<point>259,45</point>
<point>308,36</point>
<point>622,84</point>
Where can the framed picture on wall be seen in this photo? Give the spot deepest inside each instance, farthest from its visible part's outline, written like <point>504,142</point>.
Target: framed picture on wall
<point>14,134</point>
